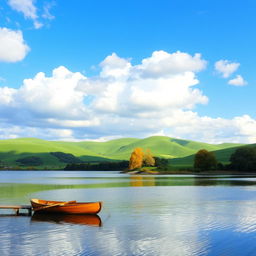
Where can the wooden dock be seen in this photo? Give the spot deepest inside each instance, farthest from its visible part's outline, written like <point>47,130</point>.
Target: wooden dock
<point>17,208</point>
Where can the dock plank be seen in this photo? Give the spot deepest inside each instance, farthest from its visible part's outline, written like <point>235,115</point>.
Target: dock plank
<point>17,208</point>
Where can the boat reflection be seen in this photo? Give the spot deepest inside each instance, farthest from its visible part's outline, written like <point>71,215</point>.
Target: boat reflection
<point>90,220</point>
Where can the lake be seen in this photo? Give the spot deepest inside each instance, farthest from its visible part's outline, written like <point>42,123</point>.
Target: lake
<point>141,215</point>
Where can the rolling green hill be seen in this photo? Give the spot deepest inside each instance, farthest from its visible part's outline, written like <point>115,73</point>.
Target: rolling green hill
<point>159,145</point>
<point>12,150</point>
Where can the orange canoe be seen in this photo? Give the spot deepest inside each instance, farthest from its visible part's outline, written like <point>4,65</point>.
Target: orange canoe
<point>70,207</point>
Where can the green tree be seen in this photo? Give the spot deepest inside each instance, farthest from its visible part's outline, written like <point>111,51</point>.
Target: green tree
<point>244,159</point>
<point>161,164</point>
<point>204,160</point>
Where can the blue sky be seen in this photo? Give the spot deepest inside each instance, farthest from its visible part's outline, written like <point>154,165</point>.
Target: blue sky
<point>115,64</point>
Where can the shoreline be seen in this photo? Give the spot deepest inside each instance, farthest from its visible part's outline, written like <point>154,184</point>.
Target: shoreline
<point>187,172</point>
<point>151,172</point>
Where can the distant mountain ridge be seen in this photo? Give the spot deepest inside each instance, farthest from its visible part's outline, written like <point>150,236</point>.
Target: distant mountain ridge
<point>119,149</point>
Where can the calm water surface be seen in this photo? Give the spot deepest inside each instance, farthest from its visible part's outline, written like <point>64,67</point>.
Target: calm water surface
<point>142,215</point>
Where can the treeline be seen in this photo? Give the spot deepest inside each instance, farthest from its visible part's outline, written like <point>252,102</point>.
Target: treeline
<point>106,166</point>
<point>243,160</point>
<point>160,163</point>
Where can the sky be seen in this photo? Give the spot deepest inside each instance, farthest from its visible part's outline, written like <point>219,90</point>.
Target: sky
<point>101,70</point>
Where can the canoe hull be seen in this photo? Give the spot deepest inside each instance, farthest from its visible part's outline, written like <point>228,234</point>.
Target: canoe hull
<point>70,208</point>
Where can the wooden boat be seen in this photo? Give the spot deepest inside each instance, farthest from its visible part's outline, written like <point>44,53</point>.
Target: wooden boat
<point>69,207</point>
<point>88,220</point>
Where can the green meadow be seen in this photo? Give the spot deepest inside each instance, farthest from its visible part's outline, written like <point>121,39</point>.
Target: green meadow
<point>180,152</point>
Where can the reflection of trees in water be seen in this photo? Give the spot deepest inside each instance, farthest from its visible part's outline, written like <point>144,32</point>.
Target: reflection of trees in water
<point>140,181</point>
<point>173,181</point>
<point>227,181</point>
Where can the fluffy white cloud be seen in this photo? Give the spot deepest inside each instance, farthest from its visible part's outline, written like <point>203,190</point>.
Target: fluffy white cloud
<point>114,66</point>
<point>6,95</point>
<point>54,96</point>
<point>188,124</point>
<point>246,126</point>
<point>162,64</point>
<point>226,68</point>
<point>237,81</point>
<point>135,90</point>
<point>12,45</point>
<point>29,10</point>
<point>26,7</point>
<point>124,100</point>
<point>17,131</point>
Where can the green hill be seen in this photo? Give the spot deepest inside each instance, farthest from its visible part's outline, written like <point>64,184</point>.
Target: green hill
<point>159,145</point>
<point>13,152</point>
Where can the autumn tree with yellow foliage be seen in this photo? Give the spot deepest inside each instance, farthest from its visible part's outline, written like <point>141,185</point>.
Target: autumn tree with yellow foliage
<point>136,159</point>
<point>148,159</point>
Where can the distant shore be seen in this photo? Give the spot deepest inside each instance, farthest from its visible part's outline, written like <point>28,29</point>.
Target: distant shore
<point>180,172</point>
